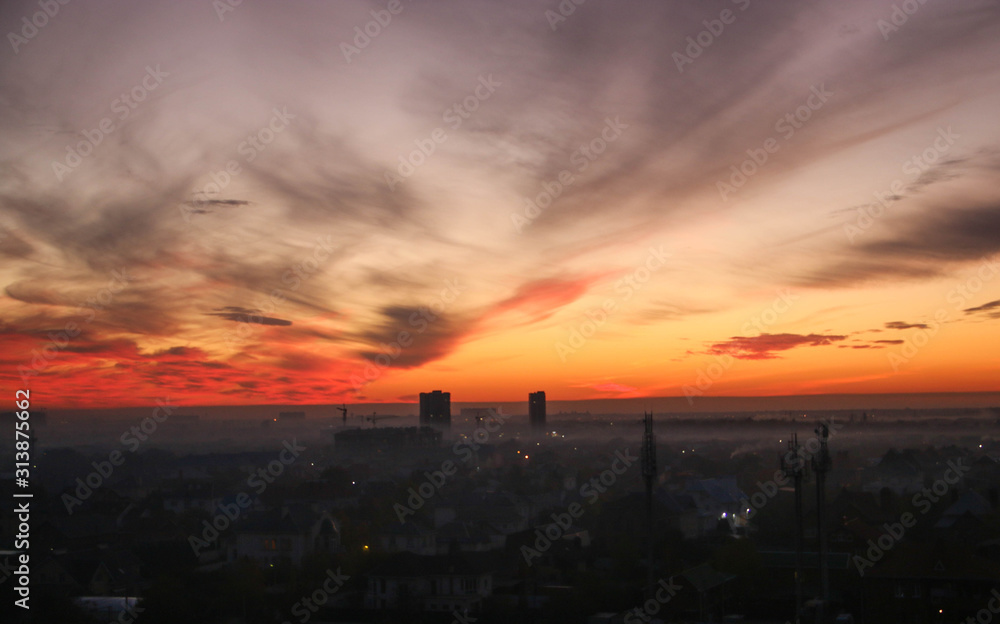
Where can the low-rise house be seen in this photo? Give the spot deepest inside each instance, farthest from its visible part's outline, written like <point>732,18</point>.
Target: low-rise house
<point>289,534</point>
<point>901,473</point>
<point>446,584</point>
<point>468,537</point>
<point>408,537</point>
<point>184,496</point>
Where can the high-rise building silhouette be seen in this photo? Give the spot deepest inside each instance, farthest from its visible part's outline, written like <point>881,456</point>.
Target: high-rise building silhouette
<point>536,412</point>
<point>435,409</point>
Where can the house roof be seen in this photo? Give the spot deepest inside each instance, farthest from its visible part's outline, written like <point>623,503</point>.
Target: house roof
<point>704,577</point>
<point>905,463</point>
<point>969,501</point>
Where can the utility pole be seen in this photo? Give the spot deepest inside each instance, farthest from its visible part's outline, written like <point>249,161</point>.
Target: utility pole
<point>649,474</point>
<point>794,467</point>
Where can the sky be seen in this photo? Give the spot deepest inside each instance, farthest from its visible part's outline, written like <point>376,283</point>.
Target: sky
<point>234,203</point>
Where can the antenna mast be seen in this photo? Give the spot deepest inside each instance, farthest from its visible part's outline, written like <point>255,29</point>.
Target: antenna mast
<point>649,474</point>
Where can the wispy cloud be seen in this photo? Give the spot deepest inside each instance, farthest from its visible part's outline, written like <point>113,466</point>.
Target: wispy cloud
<point>243,315</point>
<point>988,310</point>
<point>905,325</point>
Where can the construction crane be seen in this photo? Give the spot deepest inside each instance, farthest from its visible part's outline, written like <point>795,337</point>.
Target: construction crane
<point>343,412</point>
<point>373,419</point>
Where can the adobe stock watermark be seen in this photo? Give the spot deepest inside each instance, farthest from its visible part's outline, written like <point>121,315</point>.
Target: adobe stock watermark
<point>462,618</point>
<point>926,329</point>
<point>308,605</point>
<point>418,322</point>
<point>666,590</point>
<point>895,531</point>
<point>131,439</point>
<point>230,512</point>
<point>39,20</point>
<point>222,7</point>
<point>914,166</point>
<point>581,159</point>
<point>959,296</point>
<point>454,116</point>
<point>130,613</point>
<point>466,448</point>
<point>434,481</point>
<point>122,106</point>
<point>708,375</point>
<point>625,287</point>
<point>985,615</point>
<point>365,34</point>
<point>565,8</point>
<point>917,339</point>
<point>250,148</point>
<point>786,126</point>
<point>703,40</point>
<point>898,17</point>
<point>42,358</point>
<point>249,321</point>
<point>591,490</point>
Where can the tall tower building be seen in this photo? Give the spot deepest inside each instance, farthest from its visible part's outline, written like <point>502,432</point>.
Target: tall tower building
<point>435,410</point>
<point>536,412</point>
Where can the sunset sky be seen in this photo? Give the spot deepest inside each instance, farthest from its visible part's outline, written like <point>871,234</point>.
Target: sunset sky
<point>318,202</point>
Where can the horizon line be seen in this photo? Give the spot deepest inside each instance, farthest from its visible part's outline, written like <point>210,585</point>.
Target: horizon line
<point>691,407</point>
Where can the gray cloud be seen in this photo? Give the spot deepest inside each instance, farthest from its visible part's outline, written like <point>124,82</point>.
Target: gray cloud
<point>411,336</point>
<point>905,325</point>
<point>988,310</point>
<point>244,315</point>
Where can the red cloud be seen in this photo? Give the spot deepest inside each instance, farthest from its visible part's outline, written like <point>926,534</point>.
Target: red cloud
<point>764,346</point>
<point>542,298</point>
<point>88,371</point>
